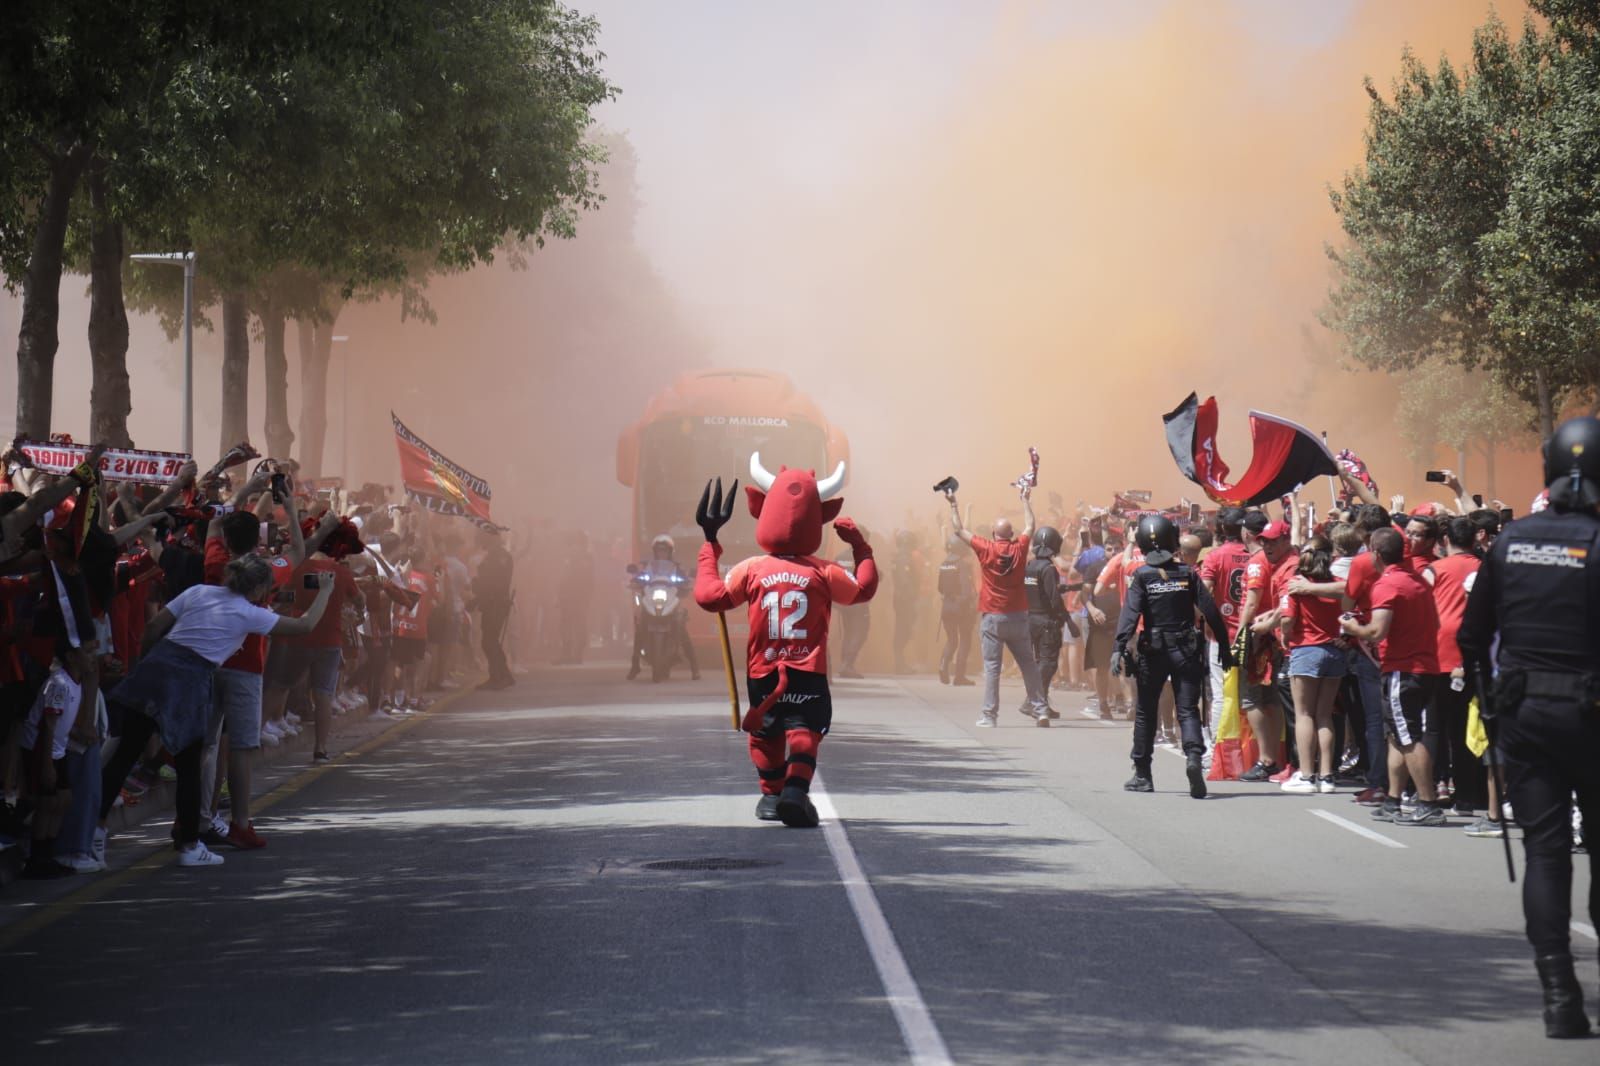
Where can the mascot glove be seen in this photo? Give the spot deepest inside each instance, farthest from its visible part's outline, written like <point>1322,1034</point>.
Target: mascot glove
<point>851,534</point>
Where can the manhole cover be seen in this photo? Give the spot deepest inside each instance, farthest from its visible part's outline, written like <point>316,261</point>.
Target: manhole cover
<point>710,864</point>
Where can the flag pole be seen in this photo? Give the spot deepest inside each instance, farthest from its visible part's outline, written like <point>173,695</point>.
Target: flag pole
<point>1333,491</point>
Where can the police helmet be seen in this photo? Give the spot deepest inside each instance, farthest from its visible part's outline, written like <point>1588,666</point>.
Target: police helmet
<point>1157,537</point>
<point>1572,464</point>
<point>1046,542</point>
<point>663,541</point>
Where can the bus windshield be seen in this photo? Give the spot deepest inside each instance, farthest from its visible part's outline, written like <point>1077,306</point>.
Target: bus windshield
<point>677,455</point>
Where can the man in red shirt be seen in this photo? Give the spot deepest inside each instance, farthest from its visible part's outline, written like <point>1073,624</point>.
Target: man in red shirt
<point>1406,625</point>
<point>1222,571</point>
<point>319,653</point>
<point>1003,609</point>
<point>1451,578</point>
<point>1264,571</point>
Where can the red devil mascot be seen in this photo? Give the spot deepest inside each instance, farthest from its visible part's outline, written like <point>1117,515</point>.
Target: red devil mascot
<point>791,594</point>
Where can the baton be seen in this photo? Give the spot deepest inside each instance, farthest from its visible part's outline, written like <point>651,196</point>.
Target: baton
<point>727,667</point>
<point>1496,768</point>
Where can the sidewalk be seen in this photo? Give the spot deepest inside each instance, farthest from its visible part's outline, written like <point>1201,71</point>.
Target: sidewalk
<point>139,831</point>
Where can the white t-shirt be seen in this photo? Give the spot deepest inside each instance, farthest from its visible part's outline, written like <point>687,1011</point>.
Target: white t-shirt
<point>213,621</point>
<point>57,704</point>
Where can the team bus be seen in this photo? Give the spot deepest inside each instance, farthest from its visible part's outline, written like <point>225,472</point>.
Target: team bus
<point>707,424</point>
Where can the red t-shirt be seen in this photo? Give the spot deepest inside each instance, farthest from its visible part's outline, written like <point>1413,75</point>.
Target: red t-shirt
<point>251,658</point>
<point>1119,569</point>
<point>1281,576</point>
<point>13,590</point>
<point>411,623</point>
<point>137,572</point>
<point>1412,646</point>
<point>329,632</point>
<point>1315,620</point>
<point>1223,568</point>
<point>1358,585</point>
<point>1003,564</point>
<point>1452,579</point>
<point>791,602</point>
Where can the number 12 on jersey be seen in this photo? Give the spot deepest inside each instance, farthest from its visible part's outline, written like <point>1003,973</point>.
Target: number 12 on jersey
<point>785,612</point>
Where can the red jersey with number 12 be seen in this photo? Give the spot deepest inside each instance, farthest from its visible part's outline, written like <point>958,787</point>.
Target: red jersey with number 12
<point>791,601</point>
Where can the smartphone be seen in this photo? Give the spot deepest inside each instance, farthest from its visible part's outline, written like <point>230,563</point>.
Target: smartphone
<point>1506,514</point>
<point>1435,475</point>
<point>312,581</point>
<point>269,535</point>
<point>1194,513</point>
<point>1083,540</point>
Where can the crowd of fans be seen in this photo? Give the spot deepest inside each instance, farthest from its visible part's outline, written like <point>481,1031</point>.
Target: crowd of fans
<point>1344,622</point>
<point>151,633</point>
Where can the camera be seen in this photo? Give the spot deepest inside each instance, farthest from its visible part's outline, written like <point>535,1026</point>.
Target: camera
<point>314,581</point>
<point>948,486</point>
<point>1435,475</point>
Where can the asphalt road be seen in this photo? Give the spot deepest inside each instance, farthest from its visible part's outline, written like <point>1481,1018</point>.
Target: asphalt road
<point>479,888</point>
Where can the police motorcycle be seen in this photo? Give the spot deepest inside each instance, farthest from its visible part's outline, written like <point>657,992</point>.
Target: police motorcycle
<point>661,615</point>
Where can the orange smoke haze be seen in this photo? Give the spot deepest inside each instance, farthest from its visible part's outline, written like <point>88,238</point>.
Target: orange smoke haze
<point>1093,223</point>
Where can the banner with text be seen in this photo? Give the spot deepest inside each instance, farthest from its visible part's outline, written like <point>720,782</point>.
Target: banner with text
<point>437,484</point>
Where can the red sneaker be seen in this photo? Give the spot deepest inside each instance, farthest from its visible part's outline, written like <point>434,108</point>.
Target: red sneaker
<point>1282,775</point>
<point>245,836</point>
<point>1371,797</point>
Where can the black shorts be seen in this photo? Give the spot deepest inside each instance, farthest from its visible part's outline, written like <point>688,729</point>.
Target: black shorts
<point>1097,650</point>
<point>1405,705</point>
<point>805,704</point>
<point>408,651</point>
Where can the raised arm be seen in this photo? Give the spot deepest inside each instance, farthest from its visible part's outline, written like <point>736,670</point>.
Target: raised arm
<point>299,627</point>
<point>956,526</point>
<point>169,495</point>
<point>1027,512</point>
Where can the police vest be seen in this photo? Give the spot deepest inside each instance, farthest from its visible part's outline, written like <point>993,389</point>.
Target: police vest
<point>1038,585</point>
<point>1170,596</point>
<point>1547,593</point>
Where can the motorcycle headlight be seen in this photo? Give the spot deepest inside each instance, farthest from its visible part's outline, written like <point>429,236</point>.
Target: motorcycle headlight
<point>659,597</point>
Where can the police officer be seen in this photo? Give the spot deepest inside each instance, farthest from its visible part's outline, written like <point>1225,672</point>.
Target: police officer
<point>1046,612</point>
<point>1167,595</point>
<point>662,565</point>
<point>958,612</point>
<point>1538,591</point>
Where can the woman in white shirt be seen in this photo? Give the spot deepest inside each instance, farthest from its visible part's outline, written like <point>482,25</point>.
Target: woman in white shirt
<point>169,688</point>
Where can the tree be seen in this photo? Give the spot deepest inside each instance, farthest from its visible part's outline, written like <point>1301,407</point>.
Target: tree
<point>1441,404</point>
<point>1416,278</point>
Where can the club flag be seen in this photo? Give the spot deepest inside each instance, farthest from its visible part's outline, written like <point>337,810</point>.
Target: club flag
<point>1284,455</point>
<point>437,484</point>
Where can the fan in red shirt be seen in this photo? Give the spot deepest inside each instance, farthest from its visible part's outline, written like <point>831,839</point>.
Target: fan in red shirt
<point>411,628</point>
<point>1406,623</point>
<point>790,593</point>
<point>1258,693</point>
<point>1317,667</point>
<point>1222,571</point>
<point>1451,579</point>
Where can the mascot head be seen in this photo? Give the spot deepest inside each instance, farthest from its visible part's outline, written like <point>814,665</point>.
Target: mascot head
<point>791,506</point>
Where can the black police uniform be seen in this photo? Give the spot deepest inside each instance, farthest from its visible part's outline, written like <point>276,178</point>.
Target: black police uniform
<point>1170,646</point>
<point>958,613</point>
<point>1539,592</point>
<point>1046,615</point>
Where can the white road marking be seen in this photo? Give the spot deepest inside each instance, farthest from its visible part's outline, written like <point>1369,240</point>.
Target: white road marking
<point>905,999</point>
<point>1586,929</point>
<point>1360,830</point>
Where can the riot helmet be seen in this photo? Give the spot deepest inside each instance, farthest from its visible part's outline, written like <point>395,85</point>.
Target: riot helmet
<point>662,542</point>
<point>1046,542</point>
<point>1157,537</point>
<point>1572,464</point>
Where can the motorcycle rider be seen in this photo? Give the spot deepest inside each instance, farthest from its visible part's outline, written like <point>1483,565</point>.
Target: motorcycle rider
<point>1166,595</point>
<point>662,567</point>
<point>1532,624</point>
<point>1046,611</point>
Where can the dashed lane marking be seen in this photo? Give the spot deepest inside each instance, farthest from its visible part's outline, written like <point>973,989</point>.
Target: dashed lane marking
<point>1359,830</point>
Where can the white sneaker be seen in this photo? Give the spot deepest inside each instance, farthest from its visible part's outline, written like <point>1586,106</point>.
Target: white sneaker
<point>197,854</point>
<point>290,729</point>
<point>381,715</point>
<point>291,718</point>
<point>1325,785</point>
<point>986,721</point>
<point>97,849</point>
<point>82,864</point>
<point>1298,783</point>
<point>219,825</point>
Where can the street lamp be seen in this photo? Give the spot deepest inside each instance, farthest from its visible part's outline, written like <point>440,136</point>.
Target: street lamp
<point>344,413</point>
<point>187,259</point>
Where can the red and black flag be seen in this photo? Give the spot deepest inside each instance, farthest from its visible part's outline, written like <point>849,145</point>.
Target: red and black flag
<point>436,483</point>
<point>1284,457</point>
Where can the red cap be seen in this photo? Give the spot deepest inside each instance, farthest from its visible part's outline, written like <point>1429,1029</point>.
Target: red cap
<point>1275,531</point>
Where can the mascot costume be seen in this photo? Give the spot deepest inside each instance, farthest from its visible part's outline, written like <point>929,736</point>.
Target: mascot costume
<point>791,594</point>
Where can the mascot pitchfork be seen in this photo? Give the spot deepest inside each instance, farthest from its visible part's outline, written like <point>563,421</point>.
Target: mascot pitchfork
<point>791,594</point>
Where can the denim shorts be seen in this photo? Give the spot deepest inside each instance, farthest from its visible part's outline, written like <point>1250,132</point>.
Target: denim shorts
<point>1318,660</point>
<point>237,699</point>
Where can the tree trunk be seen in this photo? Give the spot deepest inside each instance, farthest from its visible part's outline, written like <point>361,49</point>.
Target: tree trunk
<point>280,437</point>
<point>235,371</point>
<point>1547,414</point>
<point>316,350</point>
<point>38,339</point>
<point>110,400</point>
